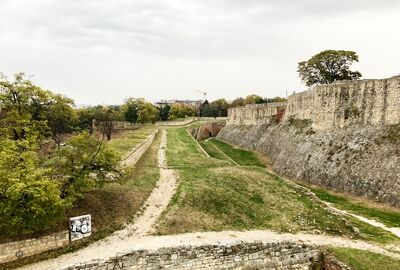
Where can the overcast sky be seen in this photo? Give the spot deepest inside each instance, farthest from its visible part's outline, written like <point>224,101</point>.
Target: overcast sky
<point>103,51</point>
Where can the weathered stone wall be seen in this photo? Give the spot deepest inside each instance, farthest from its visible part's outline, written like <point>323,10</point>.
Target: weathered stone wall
<point>207,130</point>
<point>254,114</point>
<point>133,157</point>
<point>357,159</point>
<point>334,105</point>
<point>14,250</point>
<point>332,135</point>
<point>329,262</point>
<point>176,123</point>
<point>342,104</point>
<point>281,255</point>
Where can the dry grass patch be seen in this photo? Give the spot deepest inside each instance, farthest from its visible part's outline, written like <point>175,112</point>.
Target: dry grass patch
<point>233,198</point>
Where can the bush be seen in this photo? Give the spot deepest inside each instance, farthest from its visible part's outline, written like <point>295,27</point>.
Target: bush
<point>29,200</point>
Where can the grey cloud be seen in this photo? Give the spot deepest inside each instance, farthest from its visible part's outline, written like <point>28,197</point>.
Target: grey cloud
<point>230,43</point>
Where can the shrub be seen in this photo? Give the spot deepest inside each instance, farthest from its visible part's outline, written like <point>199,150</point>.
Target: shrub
<point>29,200</point>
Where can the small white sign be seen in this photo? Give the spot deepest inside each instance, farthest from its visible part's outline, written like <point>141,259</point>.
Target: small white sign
<point>80,227</point>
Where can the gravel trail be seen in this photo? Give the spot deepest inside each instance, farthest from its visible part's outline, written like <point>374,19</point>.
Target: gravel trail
<point>126,238</point>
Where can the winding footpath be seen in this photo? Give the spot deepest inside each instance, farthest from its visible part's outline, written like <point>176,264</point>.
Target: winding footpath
<point>123,240</point>
<point>135,236</point>
<point>393,230</point>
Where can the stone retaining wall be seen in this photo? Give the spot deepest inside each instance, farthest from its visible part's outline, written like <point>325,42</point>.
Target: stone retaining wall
<point>279,255</point>
<point>346,103</point>
<point>139,151</point>
<point>207,130</point>
<point>176,123</point>
<point>13,250</point>
<point>341,104</point>
<point>354,159</point>
<point>254,114</point>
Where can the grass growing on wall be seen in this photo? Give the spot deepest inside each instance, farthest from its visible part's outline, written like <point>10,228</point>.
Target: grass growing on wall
<point>364,260</point>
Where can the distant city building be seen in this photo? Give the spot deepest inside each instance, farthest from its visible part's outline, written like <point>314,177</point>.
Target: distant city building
<point>170,102</point>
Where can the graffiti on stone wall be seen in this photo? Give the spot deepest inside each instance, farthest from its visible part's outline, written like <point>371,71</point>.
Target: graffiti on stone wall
<point>80,227</point>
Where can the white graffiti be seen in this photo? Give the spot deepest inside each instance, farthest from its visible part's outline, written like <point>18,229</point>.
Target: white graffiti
<point>80,227</point>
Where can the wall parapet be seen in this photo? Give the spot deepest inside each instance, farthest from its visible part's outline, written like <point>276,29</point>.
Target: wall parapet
<point>371,102</point>
<point>253,114</point>
<point>257,255</point>
<point>11,251</point>
<point>368,102</point>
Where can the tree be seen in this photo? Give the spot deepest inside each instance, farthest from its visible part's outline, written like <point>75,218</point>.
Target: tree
<point>328,66</point>
<point>253,99</point>
<point>237,102</point>
<point>221,107</point>
<point>29,200</point>
<point>61,117</point>
<point>164,112</point>
<point>147,113</point>
<point>103,120</point>
<point>36,189</point>
<point>179,110</point>
<point>82,163</point>
<point>275,99</point>
<point>217,108</point>
<point>85,119</point>
<point>130,109</point>
<point>23,106</point>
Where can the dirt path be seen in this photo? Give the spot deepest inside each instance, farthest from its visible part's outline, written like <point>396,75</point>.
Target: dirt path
<point>126,238</point>
<point>395,231</point>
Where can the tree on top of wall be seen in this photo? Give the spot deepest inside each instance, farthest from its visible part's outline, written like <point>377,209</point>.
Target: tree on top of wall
<point>328,66</point>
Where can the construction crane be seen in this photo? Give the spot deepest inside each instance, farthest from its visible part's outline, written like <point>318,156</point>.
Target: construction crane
<point>204,93</point>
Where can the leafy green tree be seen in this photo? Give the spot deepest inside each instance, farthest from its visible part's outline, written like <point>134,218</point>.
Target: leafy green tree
<point>221,107</point>
<point>130,109</point>
<point>164,112</point>
<point>83,163</point>
<point>147,113</point>
<point>217,108</point>
<point>85,118</point>
<point>328,66</point>
<point>237,102</point>
<point>29,200</point>
<point>23,107</point>
<point>179,110</point>
<point>35,190</point>
<point>253,99</point>
<point>61,117</point>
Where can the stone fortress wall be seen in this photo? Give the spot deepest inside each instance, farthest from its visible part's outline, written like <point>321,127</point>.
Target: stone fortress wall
<point>254,114</point>
<point>13,250</point>
<point>343,136</point>
<point>335,105</point>
<point>345,103</point>
<point>258,255</point>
